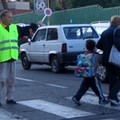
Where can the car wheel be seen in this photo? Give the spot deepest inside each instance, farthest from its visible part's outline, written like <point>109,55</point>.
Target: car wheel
<point>25,63</point>
<point>102,74</point>
<point>55,65</point>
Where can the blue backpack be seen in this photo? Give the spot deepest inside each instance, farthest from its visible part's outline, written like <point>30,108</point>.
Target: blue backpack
<point>85,65</point>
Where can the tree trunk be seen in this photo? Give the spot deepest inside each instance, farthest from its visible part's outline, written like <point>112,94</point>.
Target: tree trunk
<point>64,6</point>
<point>4,4</point>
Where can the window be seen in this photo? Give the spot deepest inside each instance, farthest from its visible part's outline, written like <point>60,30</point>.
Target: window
<point>72,32</point>
<point>40,35</point>
<point>88,32</point>
<point>52,34</point>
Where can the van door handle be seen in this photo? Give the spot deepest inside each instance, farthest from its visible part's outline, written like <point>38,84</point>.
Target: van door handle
<point>70,46</point>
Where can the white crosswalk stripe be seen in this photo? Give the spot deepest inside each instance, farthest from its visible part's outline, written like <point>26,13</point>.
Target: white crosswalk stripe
<point>56,109</point>
<point>91,99</point>
<point>109,119</point>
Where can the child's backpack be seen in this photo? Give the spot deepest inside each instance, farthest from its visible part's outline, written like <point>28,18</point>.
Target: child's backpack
<point>85,65</point>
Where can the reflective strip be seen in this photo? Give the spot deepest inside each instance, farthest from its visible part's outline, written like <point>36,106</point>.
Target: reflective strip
<point>7,48</point>
<point>7,41</point>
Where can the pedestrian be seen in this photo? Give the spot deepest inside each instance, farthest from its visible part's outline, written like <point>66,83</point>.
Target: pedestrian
<point>27,34</point>
<point>9,34</point>
<point>105,43</point>
<point>32,30</point>
<point>92,81</point>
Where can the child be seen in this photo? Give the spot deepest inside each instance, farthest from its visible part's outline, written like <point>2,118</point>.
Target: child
<point>90,81</point>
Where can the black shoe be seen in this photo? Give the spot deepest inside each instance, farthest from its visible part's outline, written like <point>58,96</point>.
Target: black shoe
<point>103,101</point>
<point>76,101</point>
<point>10,102</point>
<point>114,102</point>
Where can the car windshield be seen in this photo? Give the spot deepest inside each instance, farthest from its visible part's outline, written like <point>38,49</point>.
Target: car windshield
<point>79,32</point>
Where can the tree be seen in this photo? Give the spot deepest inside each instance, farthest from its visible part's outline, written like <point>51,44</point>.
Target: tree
<point>63,4</point>
<point>103,3</point>
<point>4,4</point>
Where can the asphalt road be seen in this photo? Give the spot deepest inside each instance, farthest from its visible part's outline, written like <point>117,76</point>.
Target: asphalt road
<point>43,95</point>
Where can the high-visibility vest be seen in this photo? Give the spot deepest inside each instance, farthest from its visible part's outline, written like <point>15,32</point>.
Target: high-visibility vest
<point>8,43</point>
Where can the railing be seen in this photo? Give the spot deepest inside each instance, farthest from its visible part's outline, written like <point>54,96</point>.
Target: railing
<point>79,15</point>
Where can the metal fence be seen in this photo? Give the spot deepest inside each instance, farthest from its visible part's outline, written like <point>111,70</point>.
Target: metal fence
<point>79,15</point>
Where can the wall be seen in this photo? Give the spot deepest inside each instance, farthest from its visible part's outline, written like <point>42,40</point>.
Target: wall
<point>17,5</point>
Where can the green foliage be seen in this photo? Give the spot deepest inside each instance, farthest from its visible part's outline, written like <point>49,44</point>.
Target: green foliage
<point>31,4</point>
<point>66,4</point>
<point>57,7</point>
<point>103,3</point>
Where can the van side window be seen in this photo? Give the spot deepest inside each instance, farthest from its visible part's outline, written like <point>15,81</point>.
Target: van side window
<point>72,33</point>
<point>40,35</point>
<point>88,32</point>
<point>52,34</point>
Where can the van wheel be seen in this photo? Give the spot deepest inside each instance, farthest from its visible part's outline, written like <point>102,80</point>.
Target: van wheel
<point>25,63</point>
<point>55,65</point>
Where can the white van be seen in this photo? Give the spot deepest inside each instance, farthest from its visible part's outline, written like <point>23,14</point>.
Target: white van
<point>100,26</point>
<point>57,45</point>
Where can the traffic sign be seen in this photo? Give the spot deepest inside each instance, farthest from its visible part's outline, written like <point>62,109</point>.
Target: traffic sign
<point>47,12</point>
<point>39,6</point>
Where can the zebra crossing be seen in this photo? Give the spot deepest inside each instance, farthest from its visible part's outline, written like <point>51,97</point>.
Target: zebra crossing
<point>57,109</point>
<point>91,99</point>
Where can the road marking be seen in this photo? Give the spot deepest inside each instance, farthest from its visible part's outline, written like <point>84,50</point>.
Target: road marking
<point>4,115</point>
<point>56,109</point>
<point>109,119</point>
<point>91,92</point>
<point>87,98</point>
<point>48,84</point>
<point>54,85</point>
<point>24,79</point>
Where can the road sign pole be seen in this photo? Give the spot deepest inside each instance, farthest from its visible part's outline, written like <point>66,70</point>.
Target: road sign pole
<point>48,22</point>
<point>47,12</point>
<point>43,18</point>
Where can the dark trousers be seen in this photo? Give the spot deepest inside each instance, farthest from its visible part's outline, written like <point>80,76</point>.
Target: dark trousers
<point>114,81</point>
<point>86,84</point>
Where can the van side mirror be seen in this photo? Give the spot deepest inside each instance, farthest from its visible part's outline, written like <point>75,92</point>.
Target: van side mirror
<point>29,41</point>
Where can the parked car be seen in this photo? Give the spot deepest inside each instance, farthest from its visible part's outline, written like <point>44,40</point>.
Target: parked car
<point>57,45</point>
<point>100,26</point>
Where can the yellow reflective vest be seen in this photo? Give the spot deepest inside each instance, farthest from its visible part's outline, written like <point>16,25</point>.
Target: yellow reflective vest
<point>8,43</point>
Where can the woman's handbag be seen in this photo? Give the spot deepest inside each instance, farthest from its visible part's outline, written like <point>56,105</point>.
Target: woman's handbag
<point>114,57</point>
